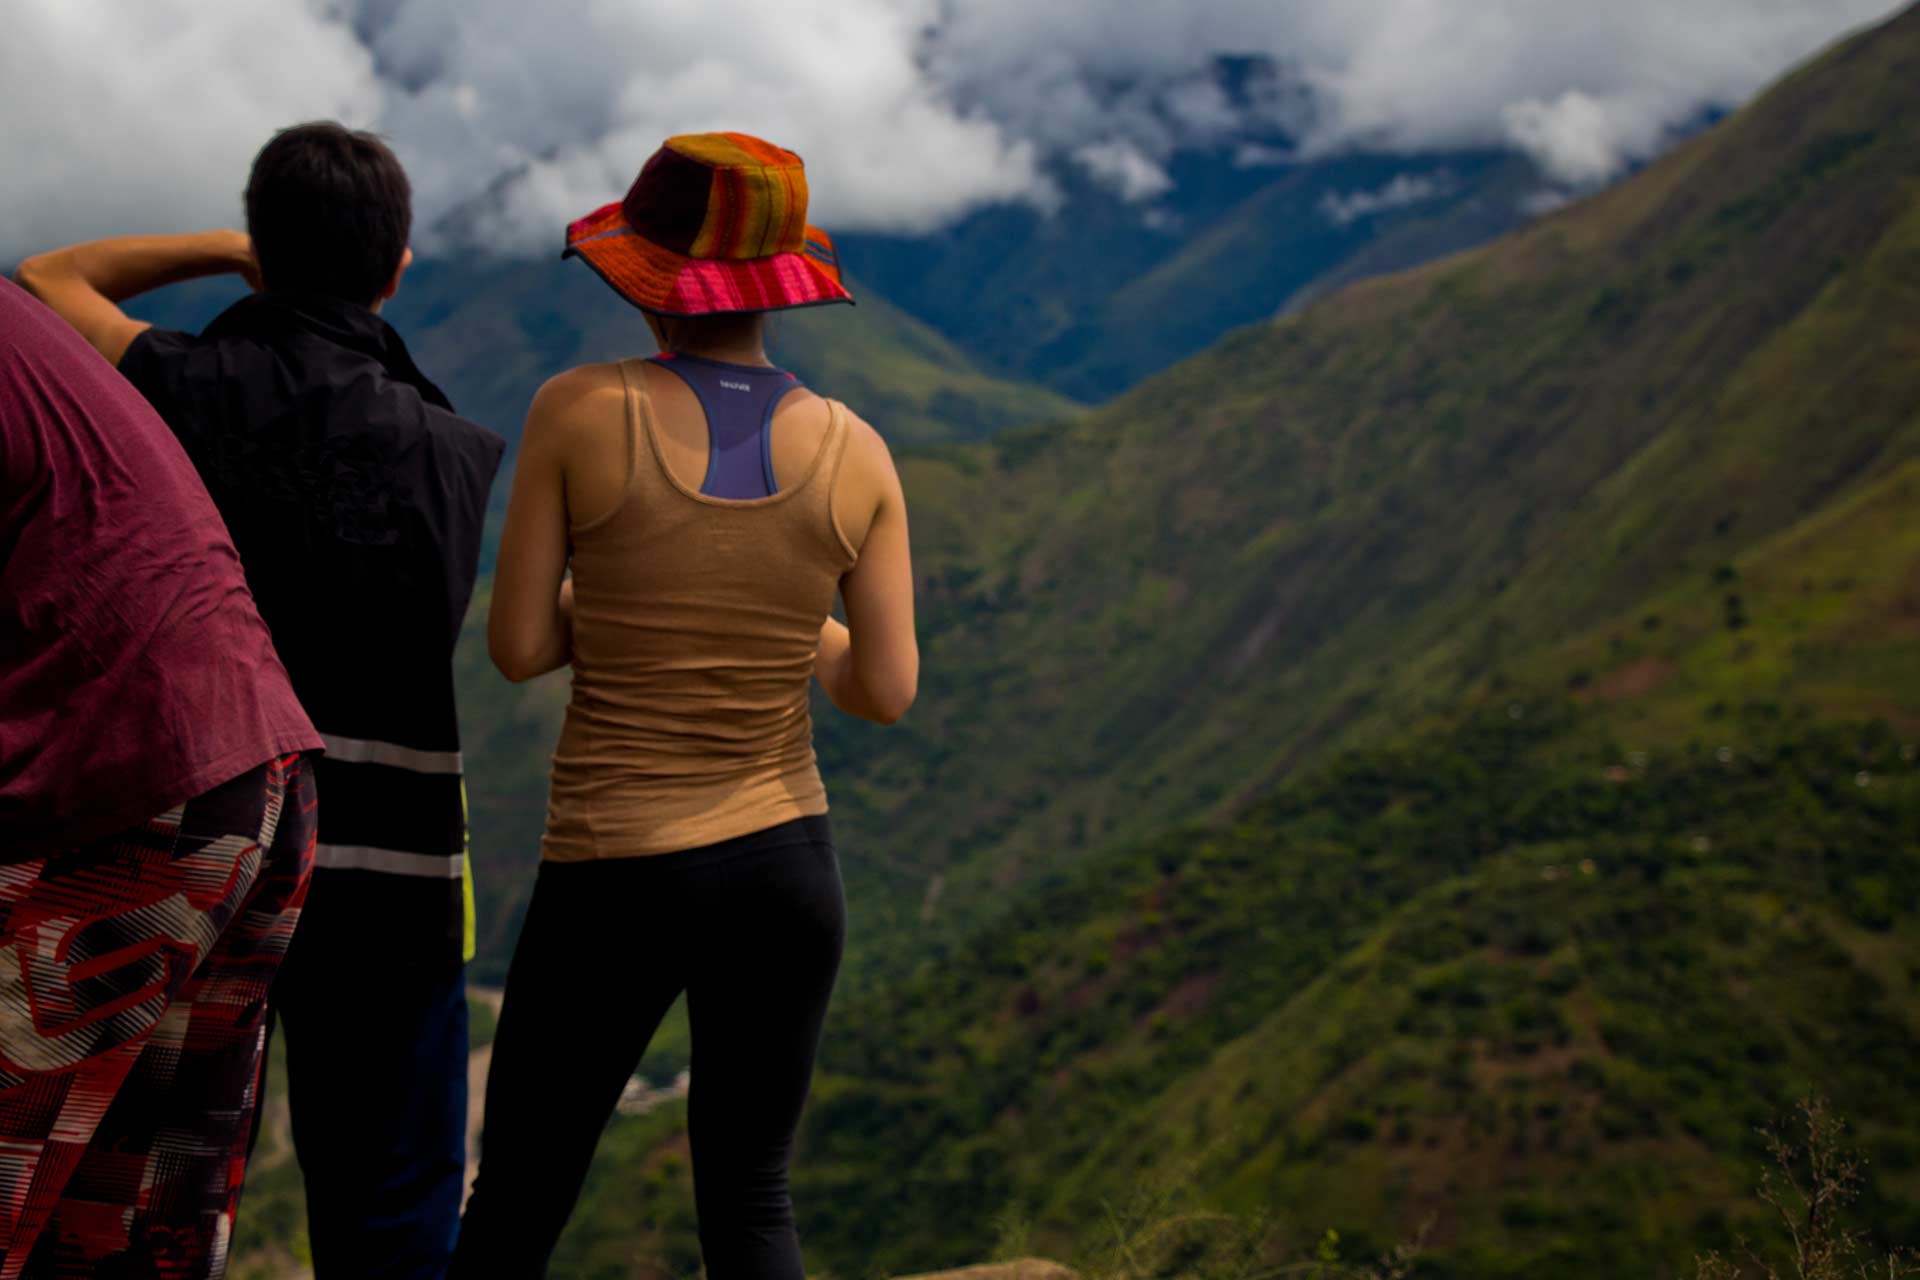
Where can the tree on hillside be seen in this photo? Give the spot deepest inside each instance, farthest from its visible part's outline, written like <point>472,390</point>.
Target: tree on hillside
<point>1815,1176</point>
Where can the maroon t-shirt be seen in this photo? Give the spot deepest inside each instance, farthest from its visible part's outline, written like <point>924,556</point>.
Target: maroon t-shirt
<point>134,670</point>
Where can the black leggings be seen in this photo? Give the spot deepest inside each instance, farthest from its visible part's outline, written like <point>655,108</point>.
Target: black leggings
<point>752,930</point>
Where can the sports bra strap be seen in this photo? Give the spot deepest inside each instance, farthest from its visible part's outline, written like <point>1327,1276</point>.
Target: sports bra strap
<point>738,401</point>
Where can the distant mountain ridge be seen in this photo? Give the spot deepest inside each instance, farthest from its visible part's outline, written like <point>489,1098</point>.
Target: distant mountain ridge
<point>1094,296</point>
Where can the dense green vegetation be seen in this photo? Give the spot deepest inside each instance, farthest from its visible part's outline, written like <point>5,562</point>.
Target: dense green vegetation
<point>1509,976</point>
<point>1659,445</point>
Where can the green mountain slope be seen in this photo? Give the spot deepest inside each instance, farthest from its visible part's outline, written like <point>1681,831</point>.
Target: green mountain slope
<point>1350,519</point>
<point>1535,977</point>
<point>1511,978</point>
<point>1499,976</point>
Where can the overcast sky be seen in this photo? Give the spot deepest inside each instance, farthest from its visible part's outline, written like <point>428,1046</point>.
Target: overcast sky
<point>118,117</point>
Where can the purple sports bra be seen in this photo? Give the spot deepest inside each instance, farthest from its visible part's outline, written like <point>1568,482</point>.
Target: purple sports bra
<point>739,400</point>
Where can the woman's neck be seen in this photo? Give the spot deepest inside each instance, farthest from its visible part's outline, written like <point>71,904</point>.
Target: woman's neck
<point>747,353</point>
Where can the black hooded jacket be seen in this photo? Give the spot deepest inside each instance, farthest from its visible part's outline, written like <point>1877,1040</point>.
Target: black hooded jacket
<point>357,499</point>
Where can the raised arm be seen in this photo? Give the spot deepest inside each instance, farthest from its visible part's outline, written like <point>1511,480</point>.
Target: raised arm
<point>530,622</point>
<point>870,666</point>
<point>85,283</point>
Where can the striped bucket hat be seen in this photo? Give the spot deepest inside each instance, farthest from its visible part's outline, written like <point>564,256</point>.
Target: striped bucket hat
<point>715,222</point>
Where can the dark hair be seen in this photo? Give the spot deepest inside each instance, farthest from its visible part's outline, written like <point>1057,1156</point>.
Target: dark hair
<point>329,209</point>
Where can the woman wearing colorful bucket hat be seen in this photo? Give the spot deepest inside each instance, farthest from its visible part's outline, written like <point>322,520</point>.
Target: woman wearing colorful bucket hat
<point>710,509</point>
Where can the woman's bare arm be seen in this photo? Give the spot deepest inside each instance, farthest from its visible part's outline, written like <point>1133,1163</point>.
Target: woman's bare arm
<point>530,623</point>
<point>870,666</point>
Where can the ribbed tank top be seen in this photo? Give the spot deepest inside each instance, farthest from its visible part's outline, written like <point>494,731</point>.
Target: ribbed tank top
<point>695,624</point>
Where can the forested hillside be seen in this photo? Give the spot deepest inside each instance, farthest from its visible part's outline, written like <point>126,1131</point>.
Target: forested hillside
<point>1601,433</point>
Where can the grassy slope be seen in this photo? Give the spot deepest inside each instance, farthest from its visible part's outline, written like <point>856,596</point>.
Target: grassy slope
<point>1354,517</point>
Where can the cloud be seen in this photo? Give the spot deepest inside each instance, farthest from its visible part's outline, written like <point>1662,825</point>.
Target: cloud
<point>555,106</point>
<point>1584,88</point>
<point>1404,189</point>
<point>1124,169</point>
<point>1583,140</point>
<point>145,116</point>
<point>515,117</point>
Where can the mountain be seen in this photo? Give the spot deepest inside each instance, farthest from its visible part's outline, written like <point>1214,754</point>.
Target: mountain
<point>1359,515</point>
<point>1093,296</point>
<point>1450,749</point>
<point>1499,977</point>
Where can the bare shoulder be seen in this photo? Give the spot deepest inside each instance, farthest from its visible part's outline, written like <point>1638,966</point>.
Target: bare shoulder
<point>578,385</point>
<point>869,483</point>
<point>866,447</point>
<point>574,402</point>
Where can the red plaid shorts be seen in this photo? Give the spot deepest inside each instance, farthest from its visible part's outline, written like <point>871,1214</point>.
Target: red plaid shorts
<point>133,983</point>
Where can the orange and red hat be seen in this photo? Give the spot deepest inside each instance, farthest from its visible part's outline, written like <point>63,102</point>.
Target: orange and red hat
<point>715,222</point>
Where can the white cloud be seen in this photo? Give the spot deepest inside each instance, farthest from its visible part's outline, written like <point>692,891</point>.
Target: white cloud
<point>909,112</point>
<point>1124,169</point>
<point>571,98</point>
<point>1261,155</point>
<point>145,116</point>
<point>1544,201</point>
<point>1583,140</point>
<point>1404,189</point>
<point>1586,88</point>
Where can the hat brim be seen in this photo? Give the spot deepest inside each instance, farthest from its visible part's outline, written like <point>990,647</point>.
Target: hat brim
<point>672,284</point>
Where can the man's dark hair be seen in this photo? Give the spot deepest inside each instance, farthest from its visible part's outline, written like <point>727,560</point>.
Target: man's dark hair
<point>329,209</point>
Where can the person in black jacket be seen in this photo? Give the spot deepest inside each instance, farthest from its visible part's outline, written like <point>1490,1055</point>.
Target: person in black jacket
<point>356,497</point>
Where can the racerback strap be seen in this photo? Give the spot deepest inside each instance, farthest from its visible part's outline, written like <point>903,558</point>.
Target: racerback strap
<point>738,401</point>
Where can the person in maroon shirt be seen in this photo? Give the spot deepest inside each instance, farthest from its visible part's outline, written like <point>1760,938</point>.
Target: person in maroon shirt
<point>156,827</point>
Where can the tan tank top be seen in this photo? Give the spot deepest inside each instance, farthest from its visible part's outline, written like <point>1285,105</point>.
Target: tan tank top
<point>695,623</point>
